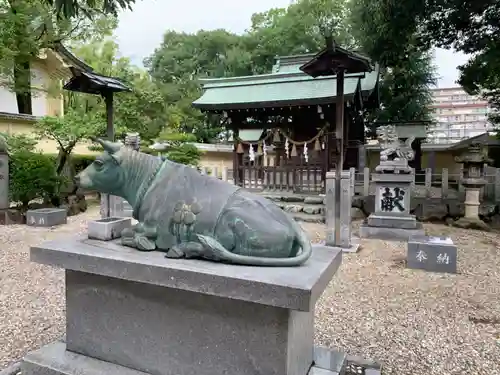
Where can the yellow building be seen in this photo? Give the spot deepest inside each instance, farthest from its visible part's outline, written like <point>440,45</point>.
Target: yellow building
<point>48,73</point>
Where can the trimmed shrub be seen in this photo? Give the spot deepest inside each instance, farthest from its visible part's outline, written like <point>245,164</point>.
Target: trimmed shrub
<point>185,154</point>
<point>32,176</point>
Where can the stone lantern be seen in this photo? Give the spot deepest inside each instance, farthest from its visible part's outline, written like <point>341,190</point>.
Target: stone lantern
<point>473,160</point>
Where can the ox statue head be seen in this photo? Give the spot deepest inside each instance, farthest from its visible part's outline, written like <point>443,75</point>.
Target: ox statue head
<point>106,174</point>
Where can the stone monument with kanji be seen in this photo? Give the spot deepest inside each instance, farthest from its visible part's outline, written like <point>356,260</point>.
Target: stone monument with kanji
<point>393,178</point>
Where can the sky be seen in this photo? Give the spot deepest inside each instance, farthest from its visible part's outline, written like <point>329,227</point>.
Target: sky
<point>140,31</point>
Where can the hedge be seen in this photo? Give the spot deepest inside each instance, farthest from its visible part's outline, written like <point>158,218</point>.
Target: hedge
<point>32,175</point>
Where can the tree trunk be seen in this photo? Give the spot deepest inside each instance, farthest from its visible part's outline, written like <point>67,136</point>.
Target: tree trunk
<point>61,161</point>
<point>22,86</point>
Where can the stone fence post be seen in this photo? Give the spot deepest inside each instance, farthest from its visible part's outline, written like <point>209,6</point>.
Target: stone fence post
<point>346,184</point>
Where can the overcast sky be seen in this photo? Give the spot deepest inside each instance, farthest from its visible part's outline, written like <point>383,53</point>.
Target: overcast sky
<point>141,30</point>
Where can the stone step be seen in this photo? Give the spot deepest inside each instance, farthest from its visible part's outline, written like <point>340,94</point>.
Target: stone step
<point>311,209</point>
<point>306,218</point>
<point>304,199</point>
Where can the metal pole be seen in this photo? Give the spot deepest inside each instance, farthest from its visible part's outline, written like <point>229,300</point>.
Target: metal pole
<point>110,133</point>
<point>339,135</point>
<point>110,130</point>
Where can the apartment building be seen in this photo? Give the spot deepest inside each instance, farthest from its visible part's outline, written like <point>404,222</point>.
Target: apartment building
<point>458,116</point>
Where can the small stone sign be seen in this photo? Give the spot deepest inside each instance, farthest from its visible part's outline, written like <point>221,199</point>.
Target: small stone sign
<point>435,254</point>
<point>46,217</point>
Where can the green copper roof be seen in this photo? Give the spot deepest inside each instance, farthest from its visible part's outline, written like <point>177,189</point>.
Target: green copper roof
<point>282,88</point>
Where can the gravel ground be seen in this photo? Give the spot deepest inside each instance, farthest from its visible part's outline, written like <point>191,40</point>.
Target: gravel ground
<point>412,322</point>
<point>32,295</point>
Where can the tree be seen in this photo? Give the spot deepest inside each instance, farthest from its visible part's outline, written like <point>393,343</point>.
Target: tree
<point>179,147</point>
<point>300,28</point>
<point>143,110</point>
<point>468,26</point>
<point>67,131</point>
<point>28,27</point>
<point>73,8</point>
<point>181,59</point>
<point>389,36</point>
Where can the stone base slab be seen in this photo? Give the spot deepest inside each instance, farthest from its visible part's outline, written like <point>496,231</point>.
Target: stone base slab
<point>388,221</point>
<point>390,234</point>
<point>354,247</point>
<point>54,359</point>
<point>471,223</point>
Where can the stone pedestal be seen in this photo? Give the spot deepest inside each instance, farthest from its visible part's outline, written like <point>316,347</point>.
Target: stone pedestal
<point>392,219</point>
<point>132,313</point>
<point>347,242</point>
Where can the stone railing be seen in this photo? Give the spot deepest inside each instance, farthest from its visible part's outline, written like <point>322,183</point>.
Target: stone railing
<point>435,185</point>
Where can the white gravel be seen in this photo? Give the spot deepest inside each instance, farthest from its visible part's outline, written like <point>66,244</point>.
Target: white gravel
<point>32,295</point>
<point>410,321</point>
<point>415,322</point>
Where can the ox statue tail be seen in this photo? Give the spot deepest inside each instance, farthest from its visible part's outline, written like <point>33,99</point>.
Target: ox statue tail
<point>223,254</point>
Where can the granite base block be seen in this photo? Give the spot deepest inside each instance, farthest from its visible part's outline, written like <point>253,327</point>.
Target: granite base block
<point>184,316</point>
<point>55,359</point>
<point>244,337</point>
<point>390,234</point>
<point>46,217</point>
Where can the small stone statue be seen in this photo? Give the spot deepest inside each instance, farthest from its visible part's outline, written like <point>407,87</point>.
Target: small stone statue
<point>190,215</point>
<point>392,147</point>
<point>395,154</point>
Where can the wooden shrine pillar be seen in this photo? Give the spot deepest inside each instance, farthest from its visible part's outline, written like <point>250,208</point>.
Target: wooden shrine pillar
<point>237,159</point>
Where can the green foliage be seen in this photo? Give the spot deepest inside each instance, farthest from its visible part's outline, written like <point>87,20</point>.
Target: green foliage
<point>29,26</point>
<point>73,8</point>
<point>389,36</point>
<point>182,58</point>
<point>32,176</point>
<point>174,138</point>
<point>468,26</point>
<point>19,142</point>
<point>67,131</point>
<point>185,154</point>
<point>300,28</point>
<point>143,110</point>
<point>178,147</point>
